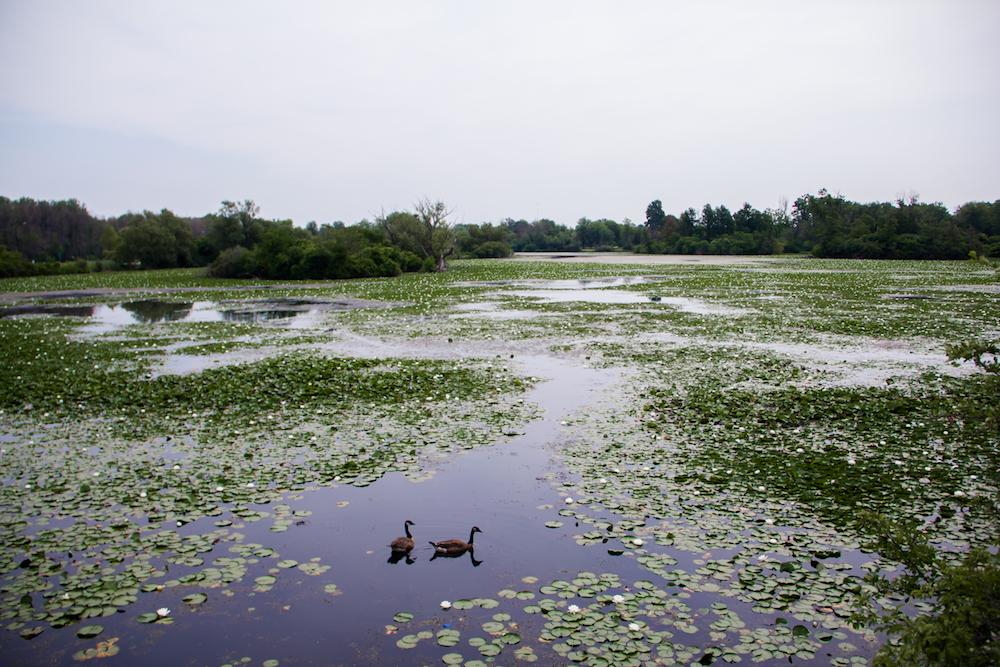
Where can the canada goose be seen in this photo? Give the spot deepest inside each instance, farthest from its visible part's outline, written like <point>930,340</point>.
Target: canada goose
<point>456,546</point>
<point>404,543</point>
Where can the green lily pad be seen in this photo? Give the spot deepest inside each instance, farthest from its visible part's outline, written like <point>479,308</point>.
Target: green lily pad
<point>489,650</point>
<point>89,631</point>
<point>196,598</point>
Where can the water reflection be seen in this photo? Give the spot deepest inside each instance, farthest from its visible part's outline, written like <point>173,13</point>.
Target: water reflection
<point>458,554</point>
<point>58,311</point>
<point>154,311</point>
<point>257,315</point>
<point>151,311</point>
<point>400,555</point>
<point>569,284</point>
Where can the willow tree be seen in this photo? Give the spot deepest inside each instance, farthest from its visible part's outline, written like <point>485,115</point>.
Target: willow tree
<point>426,232</point>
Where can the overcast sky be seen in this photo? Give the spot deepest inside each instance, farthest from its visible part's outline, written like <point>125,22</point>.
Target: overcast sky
<point>339,110</point>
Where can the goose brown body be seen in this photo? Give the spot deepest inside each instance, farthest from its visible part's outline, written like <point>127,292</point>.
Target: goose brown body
<point>403,543</point>
<point>457,546</point>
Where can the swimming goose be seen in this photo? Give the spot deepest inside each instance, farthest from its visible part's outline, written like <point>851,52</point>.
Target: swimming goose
<point>404,543</point>
<point>456,546</point>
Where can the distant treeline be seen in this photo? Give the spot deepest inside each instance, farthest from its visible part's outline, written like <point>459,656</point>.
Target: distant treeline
<point>823,225</point>
<point>61,236</point>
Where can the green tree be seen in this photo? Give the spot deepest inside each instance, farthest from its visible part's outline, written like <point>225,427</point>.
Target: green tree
<point>962,628</point>
<point>426,232</point>
<point>233,225</point>
<point>156,241</point>
<point>109,241</point>
<point>656,219</point>
<point>484,240</point>
<point>597,234</point>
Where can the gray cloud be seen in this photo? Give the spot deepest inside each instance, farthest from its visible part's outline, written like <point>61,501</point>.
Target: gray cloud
<point>325,111</point>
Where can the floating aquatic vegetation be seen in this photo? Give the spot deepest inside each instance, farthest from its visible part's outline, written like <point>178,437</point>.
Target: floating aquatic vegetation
<point>725,467</point>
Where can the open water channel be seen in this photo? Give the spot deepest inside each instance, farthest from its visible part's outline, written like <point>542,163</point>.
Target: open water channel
<point>347,610</point>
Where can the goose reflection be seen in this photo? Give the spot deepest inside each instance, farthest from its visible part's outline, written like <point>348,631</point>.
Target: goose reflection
<point>458,554</point>
<point>400,555</point>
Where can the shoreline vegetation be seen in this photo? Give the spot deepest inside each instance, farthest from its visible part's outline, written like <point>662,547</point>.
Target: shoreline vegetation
<point>61,237</point>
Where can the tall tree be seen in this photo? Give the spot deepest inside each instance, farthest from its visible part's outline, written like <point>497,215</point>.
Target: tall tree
<point>655,217</point>
<point>427,232</point>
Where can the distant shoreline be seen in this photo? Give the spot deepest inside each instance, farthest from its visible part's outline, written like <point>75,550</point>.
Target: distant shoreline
<point>632,258</point>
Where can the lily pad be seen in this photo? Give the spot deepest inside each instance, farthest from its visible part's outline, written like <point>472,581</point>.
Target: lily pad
<point>89,631</point>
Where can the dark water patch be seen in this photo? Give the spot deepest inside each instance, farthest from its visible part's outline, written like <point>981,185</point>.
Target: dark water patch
<point>56,311</point>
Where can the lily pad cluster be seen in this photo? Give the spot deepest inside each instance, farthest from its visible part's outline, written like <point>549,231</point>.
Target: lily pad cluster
<point>726,467</point>
<point>618,624</point>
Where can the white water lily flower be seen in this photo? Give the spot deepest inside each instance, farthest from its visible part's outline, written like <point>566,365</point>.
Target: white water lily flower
<point>218,488</point>
<point>445,604</point>
<point>638,542</point>
<point>618,599</point>
<point>177,467</point>
<point>569,501</point>
<point>851,461</point>
<point>249,485</point>
<point>898,462</point>
<point>762,557</point>
<point>573,609</point>
<point>142,494</point>
<point>761,488</point>
<point>769,522</point>
<point>634,627</point>
<point>960,494</point>
<point>162,611</point>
